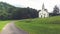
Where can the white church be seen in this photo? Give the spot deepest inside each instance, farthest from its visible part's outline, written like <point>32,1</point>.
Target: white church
<point>43,13</point>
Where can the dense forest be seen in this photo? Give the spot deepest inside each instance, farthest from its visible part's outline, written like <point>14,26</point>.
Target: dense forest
<point>8,11</point>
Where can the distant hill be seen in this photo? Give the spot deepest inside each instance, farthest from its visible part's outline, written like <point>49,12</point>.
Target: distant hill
<point>5,6</point>
<point>8,11</point>
<point>5,10</point>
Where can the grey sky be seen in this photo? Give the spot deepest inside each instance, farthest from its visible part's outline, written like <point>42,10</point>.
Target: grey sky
<point>37,4</point>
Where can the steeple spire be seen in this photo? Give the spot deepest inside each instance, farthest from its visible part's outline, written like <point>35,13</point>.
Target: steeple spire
<point>43,7</point>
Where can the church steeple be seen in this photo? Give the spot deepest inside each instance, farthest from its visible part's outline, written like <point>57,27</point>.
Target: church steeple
<point>43,7</point>
<point>43,13</point>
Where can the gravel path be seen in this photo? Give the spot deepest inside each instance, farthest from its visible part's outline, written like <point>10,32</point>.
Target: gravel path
<point>11,29</point>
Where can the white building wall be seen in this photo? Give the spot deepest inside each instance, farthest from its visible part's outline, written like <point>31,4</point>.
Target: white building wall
<point>43,14</point>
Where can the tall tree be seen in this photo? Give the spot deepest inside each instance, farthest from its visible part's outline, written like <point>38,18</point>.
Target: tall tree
<point>56,10</point>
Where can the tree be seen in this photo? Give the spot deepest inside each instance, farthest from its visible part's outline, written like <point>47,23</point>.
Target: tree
<point>8,11</point>
<point>56,10</point>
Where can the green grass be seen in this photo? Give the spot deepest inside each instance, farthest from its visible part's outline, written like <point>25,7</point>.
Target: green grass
<point>2,24</point>
<point>49,25</point>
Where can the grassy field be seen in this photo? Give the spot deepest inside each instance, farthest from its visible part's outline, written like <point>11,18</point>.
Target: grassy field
<point>2,24</point>
<point>49,25</point>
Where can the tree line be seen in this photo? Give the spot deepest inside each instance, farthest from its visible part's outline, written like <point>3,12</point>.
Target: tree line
<point>11,12</point>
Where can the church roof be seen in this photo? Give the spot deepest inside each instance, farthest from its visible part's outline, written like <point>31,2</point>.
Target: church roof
<point>46,10</point>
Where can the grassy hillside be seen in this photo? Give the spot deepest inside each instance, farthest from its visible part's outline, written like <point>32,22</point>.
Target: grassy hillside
<point>49,25</point>
<point>3,23</point>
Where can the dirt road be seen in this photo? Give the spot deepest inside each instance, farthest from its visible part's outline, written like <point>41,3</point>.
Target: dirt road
<point>11,29</point>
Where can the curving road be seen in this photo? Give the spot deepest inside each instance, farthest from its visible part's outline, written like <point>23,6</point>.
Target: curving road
<point>11,29</point>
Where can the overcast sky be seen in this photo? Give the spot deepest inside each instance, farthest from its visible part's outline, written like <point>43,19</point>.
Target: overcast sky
<point>37,4</point>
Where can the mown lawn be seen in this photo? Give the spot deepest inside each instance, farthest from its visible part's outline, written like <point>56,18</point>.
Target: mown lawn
<point>49,25</point>
<point>2,24</point>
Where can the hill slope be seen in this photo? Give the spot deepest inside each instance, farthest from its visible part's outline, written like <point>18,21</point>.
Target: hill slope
<point>8,11</point>
<point>49,25</point>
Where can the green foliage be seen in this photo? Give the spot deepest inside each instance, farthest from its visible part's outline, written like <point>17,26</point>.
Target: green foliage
<point>5,10</point>
<point>55,11</point>
<point>49,25</point>
<point>10,12</point>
